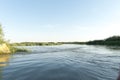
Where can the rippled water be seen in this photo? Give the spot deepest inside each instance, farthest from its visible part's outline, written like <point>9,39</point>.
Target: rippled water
<point>64,62</point>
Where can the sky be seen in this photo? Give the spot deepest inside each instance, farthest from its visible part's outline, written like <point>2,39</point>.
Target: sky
<point>59,20</point>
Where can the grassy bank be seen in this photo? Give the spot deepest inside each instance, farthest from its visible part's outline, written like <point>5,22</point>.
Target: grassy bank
<point>73,42</point>
<point>36,44</point>
<point>5,47</point>
<point>14,50</point>
<point>111,41</point>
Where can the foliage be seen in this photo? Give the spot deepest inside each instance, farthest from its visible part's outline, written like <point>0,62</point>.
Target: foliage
<point>21,50</point>
<point>12,49</point>
<point>114,41</point>
<point>35,44</point>
<point>113,38</point>
<point>1,35</point>
<point>73,42</point>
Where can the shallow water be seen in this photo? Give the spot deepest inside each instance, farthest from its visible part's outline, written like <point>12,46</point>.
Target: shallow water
<point>64,62</point>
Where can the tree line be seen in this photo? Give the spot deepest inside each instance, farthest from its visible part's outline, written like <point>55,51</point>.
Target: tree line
<point>112,41</point>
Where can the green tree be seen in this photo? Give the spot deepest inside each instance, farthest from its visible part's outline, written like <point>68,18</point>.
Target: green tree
<point>1,34</point>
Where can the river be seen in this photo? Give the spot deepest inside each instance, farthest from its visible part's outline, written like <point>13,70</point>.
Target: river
<point>62,62</point>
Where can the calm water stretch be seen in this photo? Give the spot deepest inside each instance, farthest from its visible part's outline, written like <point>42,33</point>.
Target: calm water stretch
<point>64,62</point>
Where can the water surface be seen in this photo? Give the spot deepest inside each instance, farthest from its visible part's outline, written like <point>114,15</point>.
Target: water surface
<point>64,62</point>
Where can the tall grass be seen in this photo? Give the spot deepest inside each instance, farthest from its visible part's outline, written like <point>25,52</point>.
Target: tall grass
<point>11,48</point>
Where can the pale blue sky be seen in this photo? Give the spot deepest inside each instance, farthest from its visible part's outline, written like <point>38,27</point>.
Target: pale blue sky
<point>59,20</point>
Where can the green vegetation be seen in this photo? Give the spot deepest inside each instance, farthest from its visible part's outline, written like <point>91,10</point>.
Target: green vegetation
<point>14,49</point>
<point>1,35</point>
<point>36,44</point>
<point>21,50</point>
<point>73,42</point>
<point>5,47</point>
<point>112,41</point>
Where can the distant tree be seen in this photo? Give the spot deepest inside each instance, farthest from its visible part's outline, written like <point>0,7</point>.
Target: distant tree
<point>113,38</point>
<point>113,41</point>
<point>1,34</point>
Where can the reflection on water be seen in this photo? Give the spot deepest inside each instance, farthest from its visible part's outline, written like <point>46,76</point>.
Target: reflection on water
<point>113,47</point>
<point>3,62</point>
<point>65,62</point>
